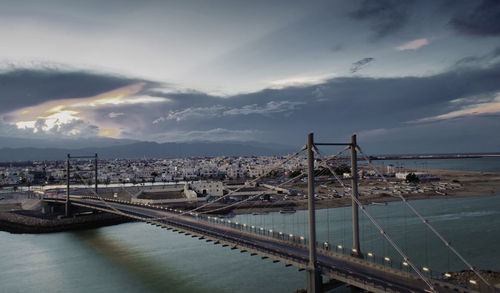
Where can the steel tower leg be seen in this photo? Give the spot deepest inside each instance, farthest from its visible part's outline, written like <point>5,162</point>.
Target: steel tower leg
<point>67,208</point>
<point>314,281</point>
<point>356,251</point>
<point>95,172</point>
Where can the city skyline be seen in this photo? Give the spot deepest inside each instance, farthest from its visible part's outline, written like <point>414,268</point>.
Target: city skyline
<point>407,77</point>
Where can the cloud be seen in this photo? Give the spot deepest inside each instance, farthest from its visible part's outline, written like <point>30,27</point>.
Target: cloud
<point>114,115</point>
<point>488,59</point>
<point>212,135</point>
<point>58,116</point>
<point>373,107</point>
<point>200,113</point>
<point>27,87</point>
<point>337,48</point>
<point>301,80</point>
<point>269,108</point>
<point>470,110</point>
<point>358,65</point>
<point>481,20</point>
<point>57,126</point>
<point>439,136</point>
<point>413,45</point>
<point>385,16</point>
<point>367,134</point>
<point>192,113</point>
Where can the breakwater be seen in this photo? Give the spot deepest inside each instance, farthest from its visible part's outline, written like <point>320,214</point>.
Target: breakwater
<point>18,222</point>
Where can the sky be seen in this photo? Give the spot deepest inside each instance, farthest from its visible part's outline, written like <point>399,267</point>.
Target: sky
<point>405,76</point>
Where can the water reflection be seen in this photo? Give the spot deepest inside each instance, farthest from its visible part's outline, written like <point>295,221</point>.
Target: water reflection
<point>155,276</point>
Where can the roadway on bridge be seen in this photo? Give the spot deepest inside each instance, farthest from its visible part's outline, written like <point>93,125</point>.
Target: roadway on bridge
<point>344,268</point>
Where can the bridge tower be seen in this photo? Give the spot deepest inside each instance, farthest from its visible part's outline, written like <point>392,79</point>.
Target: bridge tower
<point>356,250</point>
<point>314,280</point>
<point>67,207</point>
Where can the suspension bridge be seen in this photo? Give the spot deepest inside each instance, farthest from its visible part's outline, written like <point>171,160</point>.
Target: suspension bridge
<point>353,266</point>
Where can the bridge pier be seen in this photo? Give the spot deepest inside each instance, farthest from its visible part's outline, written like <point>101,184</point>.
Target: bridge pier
<point>314,281</point>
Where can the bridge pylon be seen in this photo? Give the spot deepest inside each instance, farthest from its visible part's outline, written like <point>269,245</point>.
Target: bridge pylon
<point>314,280</point>
<point>356,250</point>
<point>67,207</point>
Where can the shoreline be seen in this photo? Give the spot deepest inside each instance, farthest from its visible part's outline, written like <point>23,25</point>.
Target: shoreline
<point>300,206</point>
<point>458,184</point>
<point>16,222</point>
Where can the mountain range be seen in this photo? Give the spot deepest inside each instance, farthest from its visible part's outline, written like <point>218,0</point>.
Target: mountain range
<point>133,149</point>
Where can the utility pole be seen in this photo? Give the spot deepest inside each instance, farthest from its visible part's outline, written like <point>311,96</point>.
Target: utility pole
<point>314,281</point>
<point>67,210</point>
<point>354,182</point>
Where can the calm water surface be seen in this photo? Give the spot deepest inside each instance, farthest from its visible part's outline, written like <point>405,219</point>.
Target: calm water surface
<point>137,257</point>
<point>475,164</point>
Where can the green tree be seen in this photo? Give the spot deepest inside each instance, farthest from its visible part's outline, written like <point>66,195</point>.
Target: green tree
<point>412,178</point>
<point>295,173</point>
<point>340,170</point>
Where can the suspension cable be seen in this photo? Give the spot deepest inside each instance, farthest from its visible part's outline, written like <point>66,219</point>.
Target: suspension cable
<point>251,197</point>
<point>386,236</point>
<point>252,181</point>
<point>426,222</point>
<point>101,198</point>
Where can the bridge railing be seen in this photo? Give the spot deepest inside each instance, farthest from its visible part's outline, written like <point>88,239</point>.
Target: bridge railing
<point>254,229</point>
<point>325,246</point>
<point>386,261</point>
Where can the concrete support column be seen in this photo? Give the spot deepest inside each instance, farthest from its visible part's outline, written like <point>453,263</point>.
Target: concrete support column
<point>314,281</point>
<point>356,251</point>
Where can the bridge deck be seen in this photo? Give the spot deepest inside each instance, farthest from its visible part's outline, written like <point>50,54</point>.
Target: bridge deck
<point>350,270</point>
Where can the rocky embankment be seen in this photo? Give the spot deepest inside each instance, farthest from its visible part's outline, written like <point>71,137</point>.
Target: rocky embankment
<point>33,222</point>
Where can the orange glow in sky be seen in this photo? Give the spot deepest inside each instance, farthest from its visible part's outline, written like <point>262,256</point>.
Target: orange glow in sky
<point>52,114</point>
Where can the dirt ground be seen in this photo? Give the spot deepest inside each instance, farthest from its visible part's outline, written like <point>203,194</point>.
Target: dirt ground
<point>451,184</point>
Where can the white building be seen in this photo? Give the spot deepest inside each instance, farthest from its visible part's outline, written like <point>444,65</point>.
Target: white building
<point>214,188</point>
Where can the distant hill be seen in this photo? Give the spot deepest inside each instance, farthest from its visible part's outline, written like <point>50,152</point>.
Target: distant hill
<point>61,142</point>
<point>148,150</point>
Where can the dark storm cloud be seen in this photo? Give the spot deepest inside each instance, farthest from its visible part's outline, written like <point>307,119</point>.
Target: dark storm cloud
<point>27,87</point>
<point>481,20</point>
<point>384,16</point>
<point>375,107</point>
<point>444,136</point>
<point>346,105</point>
<point>358,65</point>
